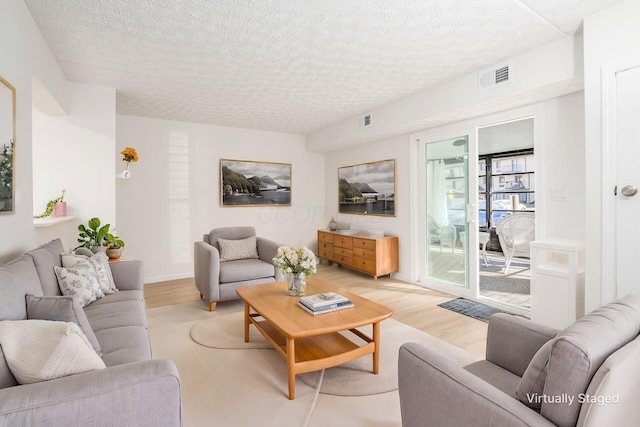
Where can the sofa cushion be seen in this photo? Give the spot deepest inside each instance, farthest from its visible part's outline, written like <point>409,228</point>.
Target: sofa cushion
<point>45,258</point>
<point>124,345</point>
<point>530,389</point>
<point>41,350</point>
<point>616,395</point>
<point>109,316</point>
<point>17,279</point>
<point>79,281</point>
<point>118,297</point>
<point>245,269</point>
<point>229,233</point>
<point>6,377</point>
<point>579,350</point>
<point>61,309</point>
<point>238,249</point>
<point>100,263</point>
<point>495,375</point>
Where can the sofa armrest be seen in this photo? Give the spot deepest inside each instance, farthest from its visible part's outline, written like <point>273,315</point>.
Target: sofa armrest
<point>134,394</point>
<point>206,269</point>
<point>512,341</point>
<point>434,391</point>
<point>128,275</point>
<point>267,251</point>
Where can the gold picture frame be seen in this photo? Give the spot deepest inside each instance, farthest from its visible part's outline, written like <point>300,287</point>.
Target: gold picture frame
<point>7,145</point>
<point>254,183</point>
<point>367,188</point>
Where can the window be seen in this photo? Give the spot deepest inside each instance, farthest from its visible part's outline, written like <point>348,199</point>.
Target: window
<point>507,180</point>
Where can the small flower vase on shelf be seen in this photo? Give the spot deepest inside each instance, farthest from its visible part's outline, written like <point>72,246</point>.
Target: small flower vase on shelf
<point>297,285</point>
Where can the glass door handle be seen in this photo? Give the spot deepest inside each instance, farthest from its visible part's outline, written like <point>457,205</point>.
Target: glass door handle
<point>471,213</point>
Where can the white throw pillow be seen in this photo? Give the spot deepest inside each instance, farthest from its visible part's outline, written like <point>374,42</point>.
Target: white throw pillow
<point>100,262</point>
<point>41,350</point>
<point>238,249</point>
<point>80,281</point>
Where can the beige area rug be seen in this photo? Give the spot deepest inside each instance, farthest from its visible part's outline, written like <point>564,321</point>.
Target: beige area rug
<point>351,379</point>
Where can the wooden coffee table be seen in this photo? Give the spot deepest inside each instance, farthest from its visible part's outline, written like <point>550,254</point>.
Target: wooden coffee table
<point>311,343</point>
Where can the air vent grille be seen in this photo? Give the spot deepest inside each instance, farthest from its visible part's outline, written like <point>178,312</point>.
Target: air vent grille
<point>494,76</point>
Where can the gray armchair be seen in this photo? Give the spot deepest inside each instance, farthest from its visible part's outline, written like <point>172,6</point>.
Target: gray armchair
<point>586,375</point>
<point>217,279</point>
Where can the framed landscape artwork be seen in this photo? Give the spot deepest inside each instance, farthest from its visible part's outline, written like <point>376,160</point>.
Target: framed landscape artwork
<point>251,183</point>
<point>7,144</point>
<point>368,188</point>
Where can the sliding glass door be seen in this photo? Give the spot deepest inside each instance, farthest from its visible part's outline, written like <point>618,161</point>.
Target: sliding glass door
<point>446,213</point>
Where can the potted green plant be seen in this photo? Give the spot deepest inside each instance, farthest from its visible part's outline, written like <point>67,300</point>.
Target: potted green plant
<point>92,236</point>
<point>114,246</point>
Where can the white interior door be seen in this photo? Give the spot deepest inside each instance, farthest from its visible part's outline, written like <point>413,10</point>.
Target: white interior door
<point>627,198</point>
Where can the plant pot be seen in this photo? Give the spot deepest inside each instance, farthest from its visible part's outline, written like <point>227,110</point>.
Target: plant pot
<point>114,253</point>
<point>59,210</point>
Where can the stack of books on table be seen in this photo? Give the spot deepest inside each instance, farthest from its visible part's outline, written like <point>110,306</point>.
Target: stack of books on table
<point>324,303</point>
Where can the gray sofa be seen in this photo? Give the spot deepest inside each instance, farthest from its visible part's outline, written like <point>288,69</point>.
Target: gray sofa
<point>585,375</point>
<point>132,390</point>
<point>218,281</point>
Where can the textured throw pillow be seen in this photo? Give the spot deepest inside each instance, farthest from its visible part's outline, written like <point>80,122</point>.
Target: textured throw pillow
<point>100,263</point>
<point>530,389</point>
<point>61,309</point>
<point>80,281</point>
<point>41,350</point>
<point>238,249</point>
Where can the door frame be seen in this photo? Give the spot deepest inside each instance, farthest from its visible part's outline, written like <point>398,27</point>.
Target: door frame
<point>475,123</point>
<point>609,157</point>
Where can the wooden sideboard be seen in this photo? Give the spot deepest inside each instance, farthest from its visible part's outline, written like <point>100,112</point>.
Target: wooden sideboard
<point>377,256</point>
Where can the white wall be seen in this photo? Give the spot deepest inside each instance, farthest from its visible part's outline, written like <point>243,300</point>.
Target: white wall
<point>75,152</point>
<point>24,54</point>
<point>173,196</point>
<point>395,148</point>
<point>611,37</point>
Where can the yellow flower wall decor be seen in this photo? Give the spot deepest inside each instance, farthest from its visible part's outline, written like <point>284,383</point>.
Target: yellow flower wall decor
<point>129,155</point>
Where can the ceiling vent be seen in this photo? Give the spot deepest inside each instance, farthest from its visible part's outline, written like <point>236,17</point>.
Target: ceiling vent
<point>364,121</point>
<point>495,76</point>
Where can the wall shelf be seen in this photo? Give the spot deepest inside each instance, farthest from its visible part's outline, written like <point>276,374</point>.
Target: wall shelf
<point>48,222</point>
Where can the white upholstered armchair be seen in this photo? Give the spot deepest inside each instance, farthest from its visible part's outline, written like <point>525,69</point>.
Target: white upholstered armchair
<point>232,257</point>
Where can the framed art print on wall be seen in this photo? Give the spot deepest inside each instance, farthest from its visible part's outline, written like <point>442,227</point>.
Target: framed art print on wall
<point>253,183</point>
<point>7,145</point>
<point>368,188</point>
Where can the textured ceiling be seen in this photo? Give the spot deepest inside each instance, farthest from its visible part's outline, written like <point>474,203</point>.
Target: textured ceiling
<point>288,65</point>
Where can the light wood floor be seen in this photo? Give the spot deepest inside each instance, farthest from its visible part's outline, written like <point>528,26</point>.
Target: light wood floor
<point>411,304</point>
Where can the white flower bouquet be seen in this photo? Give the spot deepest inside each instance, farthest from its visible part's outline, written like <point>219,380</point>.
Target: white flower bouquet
<point>296,261</point>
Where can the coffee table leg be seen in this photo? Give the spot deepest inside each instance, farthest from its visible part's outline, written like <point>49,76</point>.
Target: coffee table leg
<point>246,322</point>
<point>376,351</point>
<point>291,360</point>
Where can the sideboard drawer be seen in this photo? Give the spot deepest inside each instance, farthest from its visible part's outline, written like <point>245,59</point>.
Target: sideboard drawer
<point>364,243</point>
<point>325,237</point>
<point>366,265</point>
<point>325,251</point>
<point>364,253</point>
<point>343,242</point>
<point>343,252</point>
<point>343,260</point>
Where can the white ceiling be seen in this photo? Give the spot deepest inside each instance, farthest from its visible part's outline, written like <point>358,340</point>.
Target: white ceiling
<point>288,65</point>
